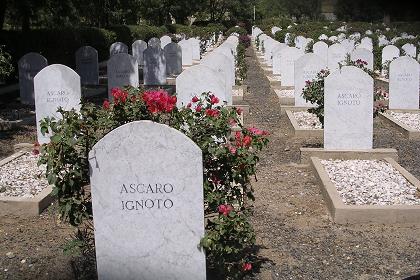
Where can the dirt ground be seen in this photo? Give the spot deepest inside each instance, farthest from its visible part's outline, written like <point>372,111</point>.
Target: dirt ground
<point>295,234</point>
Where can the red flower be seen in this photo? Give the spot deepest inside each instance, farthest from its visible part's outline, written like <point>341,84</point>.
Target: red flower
<point>232,122</point>
<point>198,108</point>
<point>212,112</point>
<point>189,105</point>
<point>225,209</point>
<point>247,141</point>
<point>214,99</point>
<point>106,104</point>
<point>35,152</point>
<point>256,131</point>
<point>158,101</point>
<point>195,99</point>
<point>36,144</point>
<point>119,95</point>
<point>232,149</point>
<point>246,267</point>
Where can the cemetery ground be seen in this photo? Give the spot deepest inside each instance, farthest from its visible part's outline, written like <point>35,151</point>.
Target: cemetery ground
<point>296,238</point>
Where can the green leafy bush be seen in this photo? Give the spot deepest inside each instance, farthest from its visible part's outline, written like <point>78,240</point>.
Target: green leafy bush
<point>229,163</point>
<point>6,67</point>
<point>239,30</point>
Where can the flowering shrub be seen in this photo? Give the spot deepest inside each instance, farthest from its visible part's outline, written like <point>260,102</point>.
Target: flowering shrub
<point>245,40</point>
<point>229,161</point>
<point>314,91</point>
<point>6,67</point>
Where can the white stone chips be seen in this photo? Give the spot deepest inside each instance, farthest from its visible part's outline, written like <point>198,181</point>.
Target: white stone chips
<point>22,177</point>
<point>412,120</point>
<point>370,182</point>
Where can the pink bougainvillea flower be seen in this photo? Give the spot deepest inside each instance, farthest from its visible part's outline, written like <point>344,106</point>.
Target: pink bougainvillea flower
<point>256,131</point>
<point>247,141</point>
<point>195,99</point>
<point>158,101</point>
<point>246,266</point>
<point>198,108</point>
<point>212,112</point>
<point>106,104</point>
<point>119,95</point>
<point>214,99</point>
<point>225,209</point>
<point>232,150</point>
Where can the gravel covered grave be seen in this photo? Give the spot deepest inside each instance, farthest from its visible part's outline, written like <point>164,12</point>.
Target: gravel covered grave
<point>22,177</point>
<point>370,182</point>
<point>412,120</point>
<point>307,120</point>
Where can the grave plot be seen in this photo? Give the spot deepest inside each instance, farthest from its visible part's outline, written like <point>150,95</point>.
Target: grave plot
<point>286,96</point>
<point>304,124</point>
<point>24,190</point>
<point>405,121</point>
<point>368,191</point>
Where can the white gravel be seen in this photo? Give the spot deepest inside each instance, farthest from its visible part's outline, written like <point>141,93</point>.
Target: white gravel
<point>285,93</point>
<point>412,120</point>
<point>307,120</point>
<point>370,182</point>
<point>22,177</point>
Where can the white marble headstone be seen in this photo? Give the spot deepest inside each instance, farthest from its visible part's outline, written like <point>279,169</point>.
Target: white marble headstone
<point>348,101</point>
<point>137,49</point>
<point>164,40</point>
<point>198,79</point>
<point>226,70</point>
<point>306,69</point>
<point>409,49</point>
<point>336,54</point>
<point>55,86</point>
<point>154,70</point>
<point>277,58</point>
<point>173,57</point>
<point>195,43</point>
<point>187,57</point>
<point>87,65</point>
<point>118,47</point>
<point>364,55</point>
<point>389,53</point>
<point>29,65</point>
<point>321,49</point>
<point>147,198</point>
<point>123,70</point>
<point>154,43</point>
<point>287,65</point>
<point>404,83</point>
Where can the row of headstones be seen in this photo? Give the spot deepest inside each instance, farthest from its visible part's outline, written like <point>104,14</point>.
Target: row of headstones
<point>59,86</point>
<point>295,68</point>
<point>121,69</point>
<point>215,74</point>
<point>389,52</point>
<point>366,41</point>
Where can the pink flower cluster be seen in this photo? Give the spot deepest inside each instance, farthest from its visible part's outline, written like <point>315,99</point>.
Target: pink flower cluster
<point>159,101</point>
<point>256,131</point>
<point>225,209</point>
<point>119,95</point>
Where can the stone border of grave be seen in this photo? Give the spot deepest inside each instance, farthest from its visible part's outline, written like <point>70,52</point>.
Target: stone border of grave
<point>238,92</point>
<point>288,101</point>
<point>284,108</point>
<point>303,132</point>
<point>408,132</point>
<point>377,153</point>
<point>365,214</point>
<point>24,206</point>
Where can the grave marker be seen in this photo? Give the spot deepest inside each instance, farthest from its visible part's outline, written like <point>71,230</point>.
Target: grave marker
<point>154,70</point>
<point>87,65</point>
<point>147,199</point>
<point>29,65</point>
<point>123,70</point>
<point>55,86</point>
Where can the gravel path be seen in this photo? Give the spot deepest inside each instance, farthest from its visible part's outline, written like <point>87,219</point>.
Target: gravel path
<point>294,231</point>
